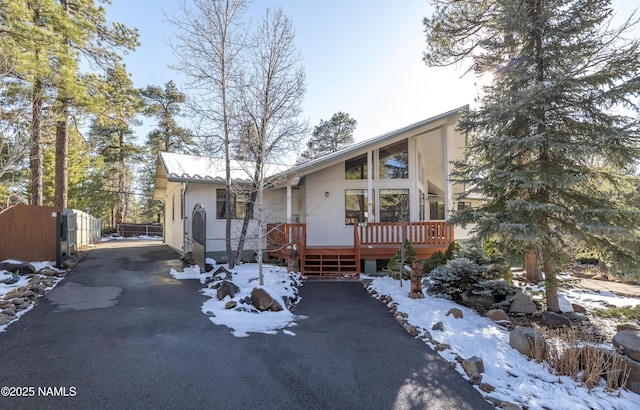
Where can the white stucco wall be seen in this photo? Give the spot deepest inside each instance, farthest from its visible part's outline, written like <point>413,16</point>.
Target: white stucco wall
<point>173,222</point>
<point>325,214</point>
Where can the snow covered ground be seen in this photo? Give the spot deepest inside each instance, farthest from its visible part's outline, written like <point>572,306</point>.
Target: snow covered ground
<point>277,282</point>
<point>23,281</point>
<point>516,379</point>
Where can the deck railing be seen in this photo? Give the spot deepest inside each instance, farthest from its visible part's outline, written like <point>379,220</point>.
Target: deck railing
<point>281,237</point>
<point>393,233</point>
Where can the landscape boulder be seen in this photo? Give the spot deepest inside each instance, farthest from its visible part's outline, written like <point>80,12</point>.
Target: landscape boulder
<point>263,301</point>
<point>10,279</point>
<point>633,382</point>
<point>527,341</point>
<point>629,343</point>
<point>576,317</point>
<point>455,312</point>
<point>627,326</point>
<point>4,319</point>
<point>578,308</point>
<point>551,319</point>
<point>20,267</point>
<point>497,315</point>
<point>473,300</point>
<point>222,271</point>
<point>522,304</point>
<point>227,288</point>
<point>473,365</point>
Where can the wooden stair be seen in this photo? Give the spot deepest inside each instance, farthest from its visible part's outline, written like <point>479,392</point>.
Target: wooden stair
<point>331,263</point>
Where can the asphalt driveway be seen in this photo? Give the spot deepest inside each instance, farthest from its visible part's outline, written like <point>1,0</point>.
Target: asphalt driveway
<point>119,332</point>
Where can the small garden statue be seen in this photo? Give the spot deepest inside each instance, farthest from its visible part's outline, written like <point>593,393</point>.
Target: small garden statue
<point>292,263</point>
<point>416,279</point>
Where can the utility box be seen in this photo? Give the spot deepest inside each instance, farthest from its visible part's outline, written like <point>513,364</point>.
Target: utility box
<point>62,239</point>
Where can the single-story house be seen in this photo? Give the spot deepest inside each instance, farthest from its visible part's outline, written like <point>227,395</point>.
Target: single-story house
<point>343,212</point>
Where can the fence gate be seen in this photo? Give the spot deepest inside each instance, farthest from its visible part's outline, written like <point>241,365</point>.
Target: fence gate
<point>199,236</point>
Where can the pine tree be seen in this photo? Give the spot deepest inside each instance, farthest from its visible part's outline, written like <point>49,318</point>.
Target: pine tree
<point>330,136</point>
<point>550,140</point>
<point>164,105</point>
<point>112,134</point>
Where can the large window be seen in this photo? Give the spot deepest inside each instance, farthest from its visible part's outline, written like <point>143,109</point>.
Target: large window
<point>239,204</point>
<point>394,161</point>
<point>423,206</point>
<point>394,205</point>
<point>356,206</point>
<point>356,168</point>
<point>436,211</point>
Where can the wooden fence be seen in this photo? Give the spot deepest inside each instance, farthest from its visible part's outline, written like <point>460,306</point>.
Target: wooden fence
<point>44,233</point>
<point>131,230</point>
<point>29,233</point>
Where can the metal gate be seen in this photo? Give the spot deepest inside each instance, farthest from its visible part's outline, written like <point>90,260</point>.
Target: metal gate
<point>199,236</point>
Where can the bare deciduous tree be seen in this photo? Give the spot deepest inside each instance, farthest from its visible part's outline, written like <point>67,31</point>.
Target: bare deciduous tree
<point>272,95</point>
<point>209,39</point>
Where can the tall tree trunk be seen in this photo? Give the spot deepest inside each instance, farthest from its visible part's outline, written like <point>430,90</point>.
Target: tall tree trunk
<point>62,141</point>
<point>62,154</point>
<point>247,218</point>
<point>36,144</point>
<point>532,273</point>
<point>550,282</point>
<point>121,211</point>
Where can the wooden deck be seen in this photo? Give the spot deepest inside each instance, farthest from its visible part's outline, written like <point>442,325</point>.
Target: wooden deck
<point>373,241</point>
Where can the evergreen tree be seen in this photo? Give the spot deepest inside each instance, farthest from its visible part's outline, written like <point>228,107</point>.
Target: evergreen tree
<point>30,39</point>
<point>549,139</point>
<point>163,105</point>
<point>112,134</point>
<point>83,32</point>
<point>472,269</point>
<point>330,136</point>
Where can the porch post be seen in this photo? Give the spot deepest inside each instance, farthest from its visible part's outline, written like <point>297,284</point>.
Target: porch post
<point>289,206</point>
<point>370,217</point>
<point>448,201</point>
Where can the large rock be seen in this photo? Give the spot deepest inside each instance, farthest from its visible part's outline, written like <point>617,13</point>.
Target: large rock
<point>4,319</point>
<point>522,304</point>
<point>455,312</point>
<point>473,300</point>
<point>473,365</point>
<point>10,279</point>
<point>23,268</point>
<point>575,317</point>
<point>497,315</point>
<point>227,288</point>
<point>551,319</point>
<point>633,383</point>
<point>527,341</point>
<point>262,300</point>
<point>627,326</point>
<point>629,342</point>
<point>578,308</point>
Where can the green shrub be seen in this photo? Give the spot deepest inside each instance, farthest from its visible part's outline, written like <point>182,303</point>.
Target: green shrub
<point>587,258</point>
<point>473,270</point>
<point>394,267</point>
<point>438,258</point>
<point>623,314</point>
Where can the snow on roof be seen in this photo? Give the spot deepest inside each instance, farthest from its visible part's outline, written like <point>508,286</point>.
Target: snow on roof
<point>182,167</point>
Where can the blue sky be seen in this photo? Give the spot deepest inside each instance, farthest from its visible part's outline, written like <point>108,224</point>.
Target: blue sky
<point>362,57</point>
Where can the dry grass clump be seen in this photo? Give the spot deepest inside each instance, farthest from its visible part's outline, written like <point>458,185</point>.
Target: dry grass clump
<point>575,353</point>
